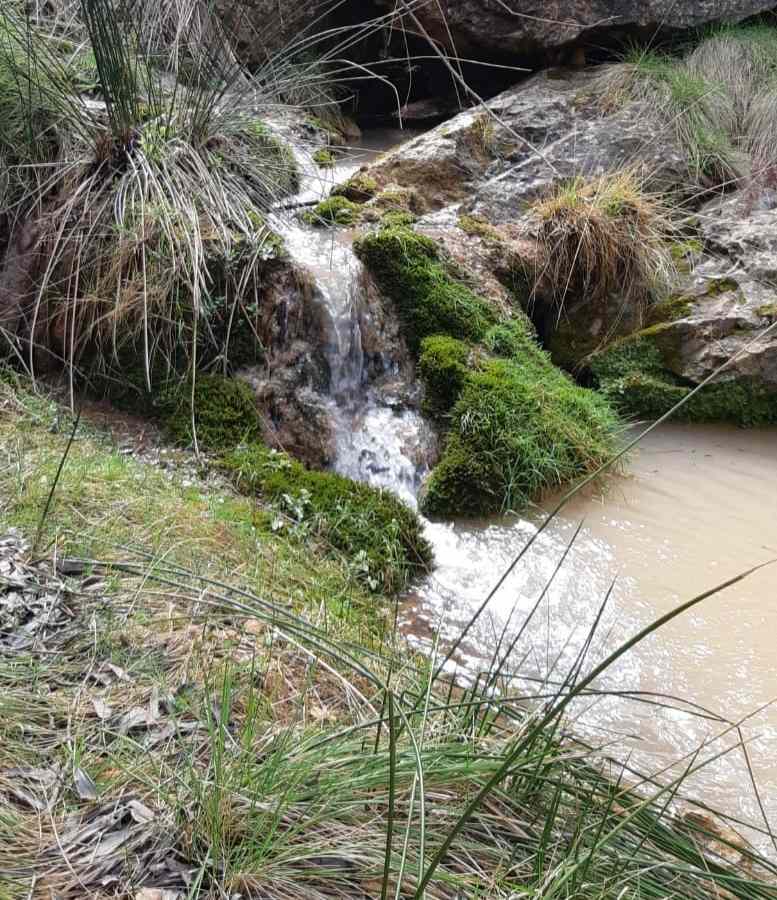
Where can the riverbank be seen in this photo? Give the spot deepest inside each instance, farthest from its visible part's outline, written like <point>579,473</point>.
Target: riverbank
<point>204,704</point>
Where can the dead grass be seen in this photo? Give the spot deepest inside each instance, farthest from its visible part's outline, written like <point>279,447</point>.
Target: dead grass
<point>603,237</point>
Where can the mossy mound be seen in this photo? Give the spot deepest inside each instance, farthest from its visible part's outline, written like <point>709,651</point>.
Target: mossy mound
<point>358,189</point>
<point>518,428</point>
<point>408,268</point>
<point>225,413</point>
<point>375,530</point>
<point>443,365</point>
<point>518,425</point>
<point>324,158</point>
<point>334,211</point>
<point>633,376</point>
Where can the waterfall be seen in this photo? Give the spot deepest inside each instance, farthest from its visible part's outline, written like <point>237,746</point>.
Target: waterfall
<point>380,437</point>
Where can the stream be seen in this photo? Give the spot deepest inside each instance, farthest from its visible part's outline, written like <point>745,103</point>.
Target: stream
<point>695,506</point>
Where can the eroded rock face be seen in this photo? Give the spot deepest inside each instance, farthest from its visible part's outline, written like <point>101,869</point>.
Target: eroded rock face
<point>731,297</point>
<point>546,130</point>
<point>523,27</point>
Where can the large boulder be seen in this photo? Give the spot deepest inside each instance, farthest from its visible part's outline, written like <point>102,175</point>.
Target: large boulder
<point>494,28</point>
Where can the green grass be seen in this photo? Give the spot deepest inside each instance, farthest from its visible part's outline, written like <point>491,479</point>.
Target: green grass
<point>373,528</point>
<point>281,744</point>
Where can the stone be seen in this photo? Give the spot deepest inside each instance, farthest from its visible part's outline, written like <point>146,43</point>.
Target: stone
<point>543,131</point>
<point>500,30</point>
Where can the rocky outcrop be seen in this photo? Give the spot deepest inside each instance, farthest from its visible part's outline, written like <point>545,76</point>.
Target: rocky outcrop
<point>494,28</point>
<point>532,137</point>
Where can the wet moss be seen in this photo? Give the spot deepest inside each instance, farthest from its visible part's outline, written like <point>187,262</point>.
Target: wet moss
<point>333,211</point>
<point>324,158</point>
<point>443,365</point>
<point>519,428</point>
<point>517,424</point>
<point>395,219</point>
<point>373,528</point>
<point>358,189</point>
<point>225,412</point>
<point>633,375</point>
<point>409,269</point>
<point>671,309</point>
<point>768,311</point>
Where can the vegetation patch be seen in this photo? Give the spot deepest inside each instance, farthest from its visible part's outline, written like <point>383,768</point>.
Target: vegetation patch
<point>372,527</point>
<point>358,189</point>
<point>324,158</point>
<point>633,376</point>
<point>408,268</point>
<point>518,425</point>
<point>333,211</point>
<point>600,238</point>
<point>220,412</point>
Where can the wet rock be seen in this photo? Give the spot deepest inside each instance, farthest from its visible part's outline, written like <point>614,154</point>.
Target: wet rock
<point>548,131</point>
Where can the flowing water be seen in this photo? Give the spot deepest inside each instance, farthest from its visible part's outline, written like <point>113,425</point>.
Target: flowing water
<point>696,506</point>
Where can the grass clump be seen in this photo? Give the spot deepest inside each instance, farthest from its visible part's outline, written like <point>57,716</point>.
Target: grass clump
<point>160,188</point>
<point>408,268</point>
<point>360,188</point>
<point>372,527</point>
<point>214,412</point>
<point>518,428</point>
<point>603,237</point>
<point>718,99</point>
<point>335,211</point>
<point>517,424</point>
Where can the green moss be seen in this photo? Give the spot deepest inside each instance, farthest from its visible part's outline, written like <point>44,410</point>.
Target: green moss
<point>519,428</point>
<point>358,189</point>
<point>721,286</point>
<point>408,269</point>
<point>401,199</point>
<point>396,219</point>
<point>670,310</point>
<point>633,375</point>
<point>334,211</point>
<point>381,535</point>
<point>768,311</point>
<point>443,366</point>
<point>518,425</point>
<point>225,412</point>
<point>324,158</point>
<point>477,227</point>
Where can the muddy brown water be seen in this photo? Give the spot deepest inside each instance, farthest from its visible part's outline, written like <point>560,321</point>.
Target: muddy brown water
<point>695,507</point>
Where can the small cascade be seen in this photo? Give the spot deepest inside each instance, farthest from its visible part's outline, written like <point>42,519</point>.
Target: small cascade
<point>379,435</point>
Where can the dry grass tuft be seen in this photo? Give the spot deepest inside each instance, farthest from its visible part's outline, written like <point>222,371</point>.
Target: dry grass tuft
<point>603,237</point>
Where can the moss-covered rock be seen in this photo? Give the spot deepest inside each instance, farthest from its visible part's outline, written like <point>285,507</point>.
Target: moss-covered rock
<point>443,365</point>
<point>376,531</point>
<point>408,268</point>
<point>518,425</point>
<point>225,412</point>
<point>358,189</point>
<point>324,158</point>
<point>333,211</point>
<point>633,375</point>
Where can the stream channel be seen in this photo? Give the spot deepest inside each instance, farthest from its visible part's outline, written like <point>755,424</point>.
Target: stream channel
<point>694,507</point>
